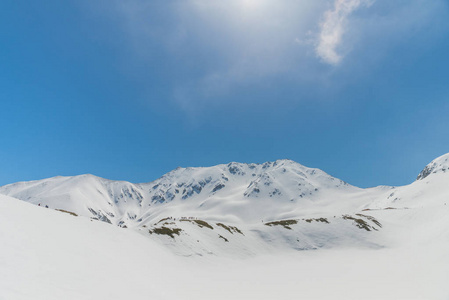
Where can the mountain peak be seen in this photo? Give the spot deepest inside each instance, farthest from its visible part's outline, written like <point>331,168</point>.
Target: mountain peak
<point>438,165</point>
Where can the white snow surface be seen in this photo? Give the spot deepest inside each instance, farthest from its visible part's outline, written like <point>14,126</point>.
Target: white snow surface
<point>277,230</point>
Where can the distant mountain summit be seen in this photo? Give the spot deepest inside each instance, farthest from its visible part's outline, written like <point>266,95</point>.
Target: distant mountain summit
<point>284,179</point>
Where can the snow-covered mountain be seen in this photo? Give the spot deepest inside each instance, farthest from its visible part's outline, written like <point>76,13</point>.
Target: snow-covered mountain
<point>249,192</point>
<point>377,243</point>
<point>238,208</point>
<point>195,210</point>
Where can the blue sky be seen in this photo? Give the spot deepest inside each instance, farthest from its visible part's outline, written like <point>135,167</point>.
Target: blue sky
<point>132,89</point>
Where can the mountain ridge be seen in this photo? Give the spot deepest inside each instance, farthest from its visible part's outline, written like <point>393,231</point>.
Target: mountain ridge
<point>195,210</point>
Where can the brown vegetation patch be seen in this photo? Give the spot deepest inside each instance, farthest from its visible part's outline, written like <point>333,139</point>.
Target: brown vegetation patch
<point>285,223</point>
<point>222,237</point>
<point>67,212</point>
<point>200,223</point>
<point>231,229</point>
<point>372,219</point>
<point>360,223</point>
<point>166,231</point>
<point>322,220</point>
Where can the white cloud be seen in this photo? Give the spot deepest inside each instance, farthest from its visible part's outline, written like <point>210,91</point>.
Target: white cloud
<point>333,28</point>
<point>209,49</point>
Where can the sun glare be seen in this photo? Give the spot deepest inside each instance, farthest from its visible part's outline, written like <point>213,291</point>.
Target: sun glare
<point>250,4</point>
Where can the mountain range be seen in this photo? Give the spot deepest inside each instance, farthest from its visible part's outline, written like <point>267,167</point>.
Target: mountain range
<point>239,209</point>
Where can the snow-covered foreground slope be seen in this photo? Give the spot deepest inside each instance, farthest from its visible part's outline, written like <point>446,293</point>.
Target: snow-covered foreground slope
<point>49,255</point>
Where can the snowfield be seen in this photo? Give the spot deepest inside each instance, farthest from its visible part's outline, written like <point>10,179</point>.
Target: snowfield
<point>239,231</point>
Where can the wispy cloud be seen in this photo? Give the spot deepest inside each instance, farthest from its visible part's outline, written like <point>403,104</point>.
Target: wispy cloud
<point>333,29</point>
<point>209,51</point>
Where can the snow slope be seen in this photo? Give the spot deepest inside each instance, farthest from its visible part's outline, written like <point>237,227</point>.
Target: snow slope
<point>49,255</point>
